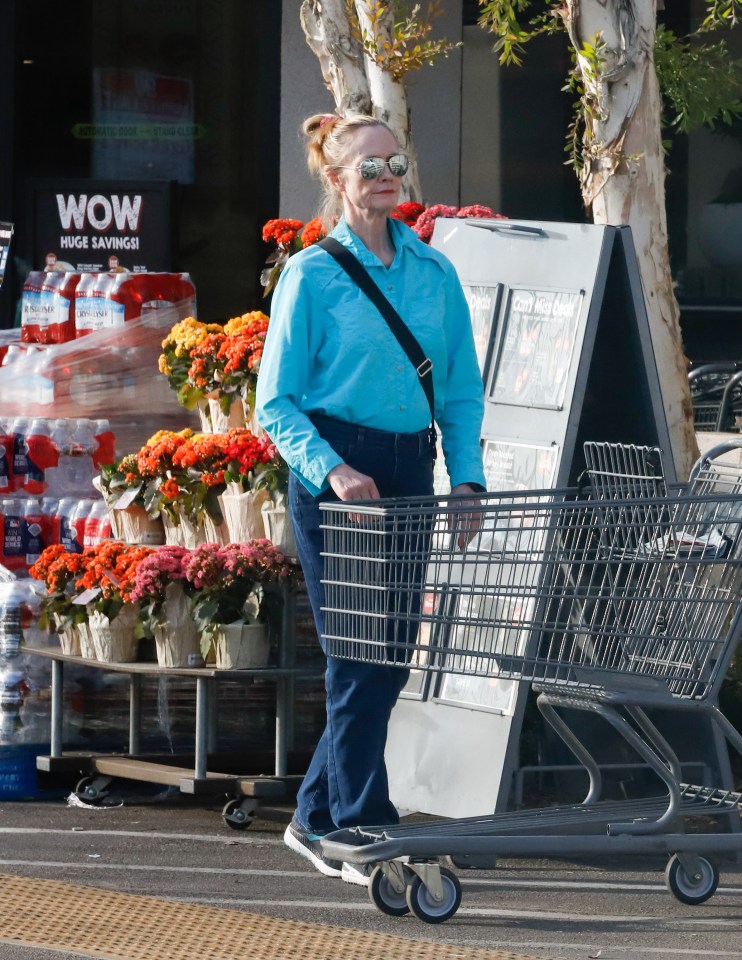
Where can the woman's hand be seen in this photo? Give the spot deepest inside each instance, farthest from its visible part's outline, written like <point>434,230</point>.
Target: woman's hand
<point>466,524</point>
<point>349,484</point>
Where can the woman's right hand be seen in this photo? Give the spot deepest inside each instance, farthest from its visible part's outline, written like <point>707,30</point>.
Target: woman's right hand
<point>349,484</point>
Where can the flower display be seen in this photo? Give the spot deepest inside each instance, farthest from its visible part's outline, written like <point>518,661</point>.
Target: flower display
<point>59,570</point>
<point>108,570</point>
<point>289,237</point>
<point>422,219</point>
<point>254,463</point>
<point>175,360</point>
<point>183,474</point>
<point>204,360</point>
<point>232,584</point>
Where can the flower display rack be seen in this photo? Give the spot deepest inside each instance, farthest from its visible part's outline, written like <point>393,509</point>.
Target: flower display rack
<point>193,774</point>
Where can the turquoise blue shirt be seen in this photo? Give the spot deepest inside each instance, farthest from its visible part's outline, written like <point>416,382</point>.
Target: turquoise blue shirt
<point>329,350</point>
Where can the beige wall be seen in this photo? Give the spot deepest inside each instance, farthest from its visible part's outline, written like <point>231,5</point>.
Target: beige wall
<point>435,106</point>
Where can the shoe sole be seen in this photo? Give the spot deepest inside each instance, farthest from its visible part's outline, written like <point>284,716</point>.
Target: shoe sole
<point>353,876</point>
<point>298,847</point>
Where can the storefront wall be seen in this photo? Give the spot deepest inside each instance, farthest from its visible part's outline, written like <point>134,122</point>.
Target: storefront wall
<point>184,91</point>
<point>244,77</point>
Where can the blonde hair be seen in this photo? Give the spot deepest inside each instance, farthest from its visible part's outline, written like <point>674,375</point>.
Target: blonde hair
<point>328,137</point>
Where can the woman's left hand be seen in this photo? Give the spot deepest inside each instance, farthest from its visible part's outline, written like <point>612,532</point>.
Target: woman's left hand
<point>467,523</point>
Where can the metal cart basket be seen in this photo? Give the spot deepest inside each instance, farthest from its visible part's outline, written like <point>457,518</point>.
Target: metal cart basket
<point>609,603</point>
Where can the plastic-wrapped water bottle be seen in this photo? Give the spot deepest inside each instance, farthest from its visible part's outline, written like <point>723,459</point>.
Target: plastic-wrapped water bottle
<point>11,630</point>
<point>6,454</point>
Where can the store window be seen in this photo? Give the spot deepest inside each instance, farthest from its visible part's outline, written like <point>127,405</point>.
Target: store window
<point>178,97</point>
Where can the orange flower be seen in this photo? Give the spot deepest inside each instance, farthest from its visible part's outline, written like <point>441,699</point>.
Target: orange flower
<point>312,232</point>
<point>281,232</point>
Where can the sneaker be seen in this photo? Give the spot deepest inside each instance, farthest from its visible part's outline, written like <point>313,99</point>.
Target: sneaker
<point>356,873</point>
<point>308,845</point>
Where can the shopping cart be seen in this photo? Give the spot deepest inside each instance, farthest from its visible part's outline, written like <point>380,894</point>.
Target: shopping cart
<point>608,603</point>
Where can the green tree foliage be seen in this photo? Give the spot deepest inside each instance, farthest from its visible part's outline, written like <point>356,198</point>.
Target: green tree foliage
<point>701,82</point>
<point>410,46</point>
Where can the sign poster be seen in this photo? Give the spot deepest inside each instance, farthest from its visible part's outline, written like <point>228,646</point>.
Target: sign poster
<point>143,126</point>
<point>6,232</point>
<point>94,225</point>
<point>536,350</point>
<point>509,465</point>
<point>483,303</point>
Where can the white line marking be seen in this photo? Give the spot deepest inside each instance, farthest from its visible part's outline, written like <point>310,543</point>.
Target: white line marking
<point>148,834</point>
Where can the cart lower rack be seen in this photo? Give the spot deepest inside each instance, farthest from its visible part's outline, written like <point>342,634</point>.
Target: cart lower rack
<point>606,605</point>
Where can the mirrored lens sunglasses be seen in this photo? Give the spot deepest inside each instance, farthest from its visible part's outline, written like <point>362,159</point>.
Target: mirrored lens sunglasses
<point>373,167</point>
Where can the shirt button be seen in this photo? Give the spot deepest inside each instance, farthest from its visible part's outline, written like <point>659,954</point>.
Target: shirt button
<point>399,368</point>
<point>390,286</point>
<point>401,407</point>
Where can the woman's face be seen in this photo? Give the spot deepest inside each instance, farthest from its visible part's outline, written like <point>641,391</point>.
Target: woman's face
<point>368,197</point>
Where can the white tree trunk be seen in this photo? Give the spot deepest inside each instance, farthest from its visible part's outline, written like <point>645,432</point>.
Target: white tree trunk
<point>623,181</point>
<point>388,96</point>
<point>357,84</point>
<point>341,57</point>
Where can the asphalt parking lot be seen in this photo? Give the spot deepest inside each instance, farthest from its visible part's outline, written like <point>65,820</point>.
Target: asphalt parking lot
<point>173,847</point>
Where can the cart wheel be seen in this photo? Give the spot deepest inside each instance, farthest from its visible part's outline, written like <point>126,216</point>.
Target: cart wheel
<point>235,816</point>
<point>425,908</point>
<point>691,889</point>
<point>87,791</point>
<point>383,895</point>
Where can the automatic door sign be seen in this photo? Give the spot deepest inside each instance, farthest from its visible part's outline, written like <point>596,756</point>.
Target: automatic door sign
<point>6,232</point>
<point>536,348</point>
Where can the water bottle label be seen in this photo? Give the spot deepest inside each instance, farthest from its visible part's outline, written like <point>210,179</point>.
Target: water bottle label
<point>68,536</point>
<point>4,473</point>
<point>14,544</point>
<point>20,458</point>
<point>92,313</point>
<point>37,308</point>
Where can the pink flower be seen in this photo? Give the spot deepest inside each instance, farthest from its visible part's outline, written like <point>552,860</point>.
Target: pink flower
<point>156,571</point>
<point>424,224</point>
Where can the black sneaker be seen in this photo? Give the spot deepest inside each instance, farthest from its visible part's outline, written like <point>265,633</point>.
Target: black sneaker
<point>308,845</point>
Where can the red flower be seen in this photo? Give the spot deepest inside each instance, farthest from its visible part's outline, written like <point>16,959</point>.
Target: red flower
<point>282,232</point>
<point>408,212</point>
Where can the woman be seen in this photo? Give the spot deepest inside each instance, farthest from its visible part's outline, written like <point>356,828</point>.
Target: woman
<point>345,407</point>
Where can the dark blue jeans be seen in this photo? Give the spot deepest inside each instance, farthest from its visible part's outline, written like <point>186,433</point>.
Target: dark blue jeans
<point>346,784</point>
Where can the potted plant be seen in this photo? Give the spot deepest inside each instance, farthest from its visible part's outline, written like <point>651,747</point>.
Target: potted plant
<point>59,570</point>
<point>106,589</point>
<point>175,359</point>
<point>236,599</point>
<point>164,598</point>
<point>123,489</point>
<point>254,470</point>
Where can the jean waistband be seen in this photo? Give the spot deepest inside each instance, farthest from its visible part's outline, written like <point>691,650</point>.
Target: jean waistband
<point>343,429</point>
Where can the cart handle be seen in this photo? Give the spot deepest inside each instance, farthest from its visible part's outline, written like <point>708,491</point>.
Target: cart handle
<point>713,454</point>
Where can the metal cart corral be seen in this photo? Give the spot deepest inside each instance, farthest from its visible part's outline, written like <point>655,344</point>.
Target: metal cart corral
<point>191,775</point>
<point>610,606</point>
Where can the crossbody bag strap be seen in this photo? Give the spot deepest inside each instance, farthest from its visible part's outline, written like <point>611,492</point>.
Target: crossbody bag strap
<point>357,272</point>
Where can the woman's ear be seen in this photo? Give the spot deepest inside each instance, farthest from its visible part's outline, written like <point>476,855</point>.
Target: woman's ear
<point>334,179</point>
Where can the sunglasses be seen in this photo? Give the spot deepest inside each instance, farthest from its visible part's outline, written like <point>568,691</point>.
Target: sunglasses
<point>373,167</point>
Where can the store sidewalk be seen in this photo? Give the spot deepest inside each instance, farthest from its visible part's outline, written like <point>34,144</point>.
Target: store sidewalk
<point>109,925</point>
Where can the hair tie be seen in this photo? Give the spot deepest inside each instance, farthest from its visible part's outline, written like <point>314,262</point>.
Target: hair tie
<point>327,118</point>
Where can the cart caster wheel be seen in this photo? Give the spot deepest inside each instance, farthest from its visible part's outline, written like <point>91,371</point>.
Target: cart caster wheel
<point>425,908</point>
<point>87,790</point>
<point>383,895</point>
<point>235,816</point>
<point>693,889</point>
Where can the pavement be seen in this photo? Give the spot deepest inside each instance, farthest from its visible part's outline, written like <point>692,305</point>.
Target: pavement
<point>161,851</point>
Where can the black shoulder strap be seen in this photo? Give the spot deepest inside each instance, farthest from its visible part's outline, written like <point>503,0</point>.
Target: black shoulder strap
<point>356,271</point>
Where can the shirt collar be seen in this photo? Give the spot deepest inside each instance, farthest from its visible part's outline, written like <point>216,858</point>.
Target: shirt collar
<point>402,236</point>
